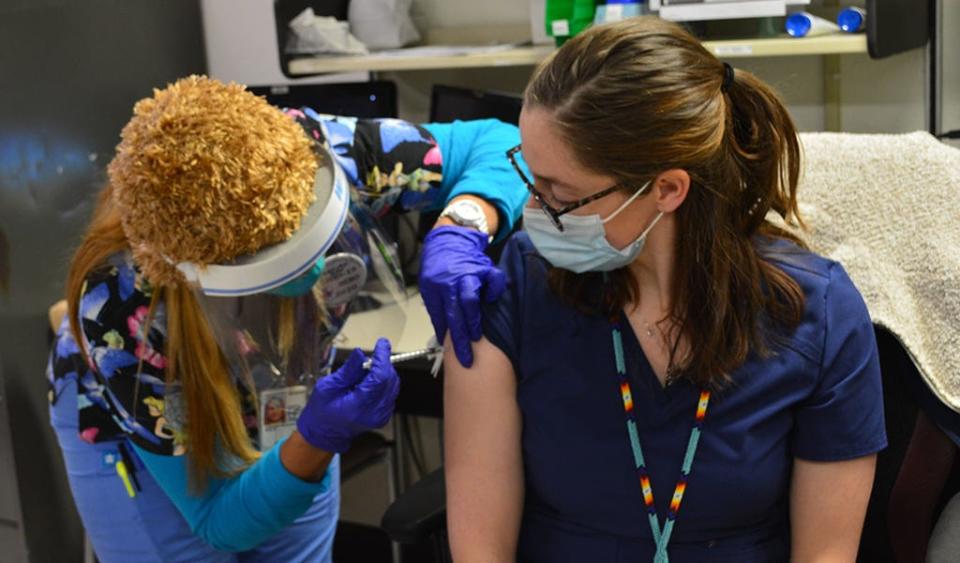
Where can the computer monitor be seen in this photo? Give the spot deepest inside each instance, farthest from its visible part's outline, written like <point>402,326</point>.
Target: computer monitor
<point>354,99</point>
<point>448,103</point>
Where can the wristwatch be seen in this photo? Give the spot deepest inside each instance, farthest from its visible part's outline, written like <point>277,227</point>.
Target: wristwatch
<point>468,213</point>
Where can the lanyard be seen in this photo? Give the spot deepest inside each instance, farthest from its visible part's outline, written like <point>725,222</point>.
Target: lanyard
<point>662,538</point>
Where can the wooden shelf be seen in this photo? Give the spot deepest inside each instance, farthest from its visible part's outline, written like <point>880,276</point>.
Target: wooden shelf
<point>834,44</point>
<point>518,56</point>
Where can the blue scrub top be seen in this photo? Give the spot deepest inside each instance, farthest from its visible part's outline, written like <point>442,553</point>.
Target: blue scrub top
<point>818,398</point>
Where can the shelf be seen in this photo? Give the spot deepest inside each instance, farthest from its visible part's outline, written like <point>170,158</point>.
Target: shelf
<point>518,56</point>
<point>835,44</point>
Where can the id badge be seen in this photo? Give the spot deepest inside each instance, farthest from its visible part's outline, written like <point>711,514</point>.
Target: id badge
<point>279,409</point>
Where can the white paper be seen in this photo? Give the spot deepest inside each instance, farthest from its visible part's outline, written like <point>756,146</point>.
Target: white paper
<point>311,34</point>
<point>561,28</point>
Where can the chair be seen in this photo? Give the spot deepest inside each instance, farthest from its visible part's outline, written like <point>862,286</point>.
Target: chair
<point>419,516</point>
<point>916,475</point>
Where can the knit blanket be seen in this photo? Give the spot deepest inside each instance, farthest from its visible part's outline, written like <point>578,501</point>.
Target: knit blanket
<point>887,207</point>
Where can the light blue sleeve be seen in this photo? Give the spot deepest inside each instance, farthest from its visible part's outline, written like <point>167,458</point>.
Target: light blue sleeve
<point>238,513</point>
<point>475,162</point>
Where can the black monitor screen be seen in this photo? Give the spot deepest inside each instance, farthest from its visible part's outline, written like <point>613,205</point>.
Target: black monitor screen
<point>354,99</point>
<point>449,103</point>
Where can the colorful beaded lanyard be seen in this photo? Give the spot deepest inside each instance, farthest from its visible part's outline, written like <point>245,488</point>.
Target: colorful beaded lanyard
<point>662,538</point>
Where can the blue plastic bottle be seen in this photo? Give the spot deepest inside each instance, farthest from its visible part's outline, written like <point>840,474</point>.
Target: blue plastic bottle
<point>852,19</point>
<point>804,24</point>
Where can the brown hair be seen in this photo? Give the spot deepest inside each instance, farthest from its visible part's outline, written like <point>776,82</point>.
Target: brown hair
<point>638,97</point>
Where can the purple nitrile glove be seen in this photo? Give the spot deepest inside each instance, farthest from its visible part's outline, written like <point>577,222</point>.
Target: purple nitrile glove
<point>453,272</point>
<point>350,400</point>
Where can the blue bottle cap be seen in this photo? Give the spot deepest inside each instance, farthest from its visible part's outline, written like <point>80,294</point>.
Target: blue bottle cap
<point>798,24</point>
<point>850,20</point>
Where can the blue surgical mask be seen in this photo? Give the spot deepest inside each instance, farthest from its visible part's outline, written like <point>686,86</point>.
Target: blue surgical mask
<point>582,246</point>
<point>303,283</point>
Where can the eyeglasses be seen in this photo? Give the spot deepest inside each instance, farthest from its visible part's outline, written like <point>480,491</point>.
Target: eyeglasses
<point>552,213</point>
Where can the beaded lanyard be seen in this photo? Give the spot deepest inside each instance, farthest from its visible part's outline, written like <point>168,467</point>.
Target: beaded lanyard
<point>662,539</point>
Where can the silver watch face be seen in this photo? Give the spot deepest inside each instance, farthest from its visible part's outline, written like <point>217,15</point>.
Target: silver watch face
<point>467,214</point>
<point>467,211</point>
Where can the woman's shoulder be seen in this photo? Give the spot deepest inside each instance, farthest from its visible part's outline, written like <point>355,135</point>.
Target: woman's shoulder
<point>829,293</point>
<point>814,273</point>
<point>792,257</point>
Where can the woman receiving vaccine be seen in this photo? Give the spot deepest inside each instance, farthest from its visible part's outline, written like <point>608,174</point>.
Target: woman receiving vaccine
<point>670,376</point>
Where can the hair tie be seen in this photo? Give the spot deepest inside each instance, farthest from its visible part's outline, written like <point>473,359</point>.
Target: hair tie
<point>728,77</point>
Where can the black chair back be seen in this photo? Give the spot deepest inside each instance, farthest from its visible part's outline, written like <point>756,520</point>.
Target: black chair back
<point>917,474</point>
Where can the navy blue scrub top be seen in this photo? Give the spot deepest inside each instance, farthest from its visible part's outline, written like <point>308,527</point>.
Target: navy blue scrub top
<point>818,398</point>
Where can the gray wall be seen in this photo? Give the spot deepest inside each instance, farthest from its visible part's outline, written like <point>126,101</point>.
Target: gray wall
<point>69,75</point>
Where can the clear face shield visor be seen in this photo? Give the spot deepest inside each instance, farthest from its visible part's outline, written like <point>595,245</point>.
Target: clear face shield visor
<point>275,313</point>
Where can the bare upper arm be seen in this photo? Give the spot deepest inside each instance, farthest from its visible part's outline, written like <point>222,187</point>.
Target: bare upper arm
<point>56,313</point>
<point>828,502</point>
<point>484,471</point>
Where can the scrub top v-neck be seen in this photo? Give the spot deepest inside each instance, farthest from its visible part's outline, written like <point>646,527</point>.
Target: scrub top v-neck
<point>817,398</point>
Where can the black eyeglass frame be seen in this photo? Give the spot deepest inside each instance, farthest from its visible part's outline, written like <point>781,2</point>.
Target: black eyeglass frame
<point>555,214</point>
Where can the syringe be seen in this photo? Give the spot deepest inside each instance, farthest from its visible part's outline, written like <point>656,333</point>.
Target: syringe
<point>405,356</point>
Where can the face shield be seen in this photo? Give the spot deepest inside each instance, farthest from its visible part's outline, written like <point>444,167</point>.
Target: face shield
<point>275,313</point>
